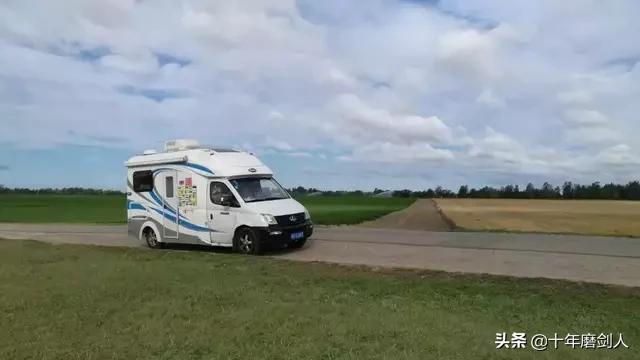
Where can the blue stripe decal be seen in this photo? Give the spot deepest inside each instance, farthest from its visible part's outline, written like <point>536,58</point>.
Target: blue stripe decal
<point>183,223</point>
<point>135,206</point>
<point>199,167</point>
<point>194,227</point>
<point>162,169</point>
<point>156,197</point>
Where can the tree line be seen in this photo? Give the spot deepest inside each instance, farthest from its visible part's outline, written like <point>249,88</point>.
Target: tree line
<point>59,191</point>
<point>569,190</point>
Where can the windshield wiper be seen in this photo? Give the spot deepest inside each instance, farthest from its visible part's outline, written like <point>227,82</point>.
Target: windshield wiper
<point>265,199</point>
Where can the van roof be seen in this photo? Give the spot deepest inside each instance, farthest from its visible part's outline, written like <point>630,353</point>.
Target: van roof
<point>207,161</point>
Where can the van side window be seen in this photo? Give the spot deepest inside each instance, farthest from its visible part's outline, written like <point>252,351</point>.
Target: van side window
<point>218,190</point>
<point>143,181</point>
<point>169,186</point>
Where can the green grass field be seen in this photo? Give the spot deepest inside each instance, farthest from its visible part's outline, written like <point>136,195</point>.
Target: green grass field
<point>112,208</point>
<point>85,302</point>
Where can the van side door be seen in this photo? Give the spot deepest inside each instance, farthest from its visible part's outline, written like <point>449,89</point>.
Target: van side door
<point>165,184</point>
<point>222,213</point>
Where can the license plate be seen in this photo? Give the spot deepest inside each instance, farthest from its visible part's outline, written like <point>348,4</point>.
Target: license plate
<point>297,235</point>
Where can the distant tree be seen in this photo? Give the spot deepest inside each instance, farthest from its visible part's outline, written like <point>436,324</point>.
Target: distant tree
<point>463,191</point>
<point>633,190</point>
<point>530,191</point>
<point>567,190</point>
<point>549,192</point>
<point>402,193</point>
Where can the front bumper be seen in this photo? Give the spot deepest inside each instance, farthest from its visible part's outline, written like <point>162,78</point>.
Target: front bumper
<point>281,235</point>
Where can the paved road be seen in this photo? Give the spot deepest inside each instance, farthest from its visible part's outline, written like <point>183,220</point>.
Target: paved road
<point>581,258</point>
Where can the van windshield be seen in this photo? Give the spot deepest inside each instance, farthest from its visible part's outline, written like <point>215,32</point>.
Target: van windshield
<point>259,189</point>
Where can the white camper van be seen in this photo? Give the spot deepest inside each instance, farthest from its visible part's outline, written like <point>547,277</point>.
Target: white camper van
<point>192,194</point>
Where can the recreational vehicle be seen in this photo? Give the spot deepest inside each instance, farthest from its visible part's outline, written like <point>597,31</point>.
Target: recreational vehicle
<point>194,194</point>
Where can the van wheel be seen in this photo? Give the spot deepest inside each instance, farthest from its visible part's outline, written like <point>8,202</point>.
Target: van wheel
<point>246,241</point>
<point>151,239</point>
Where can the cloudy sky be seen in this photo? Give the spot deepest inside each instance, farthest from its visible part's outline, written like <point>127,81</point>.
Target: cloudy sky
<point>332,94</point>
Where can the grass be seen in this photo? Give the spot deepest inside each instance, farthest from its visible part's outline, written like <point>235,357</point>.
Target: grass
<point>112,208</point>
<point>84,302</point>
<point>589,217</point>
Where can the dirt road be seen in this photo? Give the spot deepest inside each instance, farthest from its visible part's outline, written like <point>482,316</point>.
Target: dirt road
<point>422,215</point>
<point>580,258</point>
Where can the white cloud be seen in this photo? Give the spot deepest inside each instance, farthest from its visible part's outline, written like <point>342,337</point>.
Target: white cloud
<point>398,153</point>
<point>362,121</point>
<point>592,135</point>
<point>586,118</point>
<point>619,155</point>
<point>279,145</point>
<point>299,154</point>
<point>578,97</point>
<point>489,99</point>
<point>498,146</point>
<point>389,81</point>
<point>469,52</point>
<point>590,127</point>
<point>144,63</point>
<point>275,115</point>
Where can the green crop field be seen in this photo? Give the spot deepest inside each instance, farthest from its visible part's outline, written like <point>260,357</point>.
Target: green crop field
<point>350,209</point>
<point>87,302</point>
<point>109,209</point>
<point>112,208</point>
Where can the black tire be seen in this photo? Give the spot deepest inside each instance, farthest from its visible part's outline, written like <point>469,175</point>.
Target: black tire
<point>297,244</point>
<point>247,241</point>
<point>151,238</point>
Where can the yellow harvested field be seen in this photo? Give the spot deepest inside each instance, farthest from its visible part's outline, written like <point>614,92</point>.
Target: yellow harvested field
<point>592,217</point>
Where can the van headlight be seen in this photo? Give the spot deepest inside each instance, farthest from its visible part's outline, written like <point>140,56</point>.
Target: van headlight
<point>269,219</point>
<point>307,216</point>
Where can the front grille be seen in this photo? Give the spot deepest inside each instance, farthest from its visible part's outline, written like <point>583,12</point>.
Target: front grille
<point>287,220</point>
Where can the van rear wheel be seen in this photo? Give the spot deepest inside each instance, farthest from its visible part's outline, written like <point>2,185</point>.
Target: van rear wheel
<point>151,239</point>
<point>247,241</point>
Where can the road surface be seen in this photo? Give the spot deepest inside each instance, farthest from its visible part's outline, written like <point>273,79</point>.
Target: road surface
<point>580,258</point>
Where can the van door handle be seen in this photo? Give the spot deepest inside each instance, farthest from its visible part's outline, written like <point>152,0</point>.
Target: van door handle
<point>224,213</point>
<point>211,216</point>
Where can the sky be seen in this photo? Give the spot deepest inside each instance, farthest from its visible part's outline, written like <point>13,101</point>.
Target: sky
<point>334,94</point>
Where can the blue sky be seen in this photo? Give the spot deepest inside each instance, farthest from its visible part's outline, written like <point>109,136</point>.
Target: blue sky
<point>331,94</point>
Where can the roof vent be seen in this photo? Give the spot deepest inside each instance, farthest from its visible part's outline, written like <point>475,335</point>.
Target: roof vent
<point>149,152</point>
<point>180,144</point>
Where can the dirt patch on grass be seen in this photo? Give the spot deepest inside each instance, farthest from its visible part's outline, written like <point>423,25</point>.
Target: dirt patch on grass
<point>422,215</point>
<point>588,217</point>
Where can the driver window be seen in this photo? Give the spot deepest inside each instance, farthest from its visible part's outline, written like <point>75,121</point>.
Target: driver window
<point>217,191</point>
